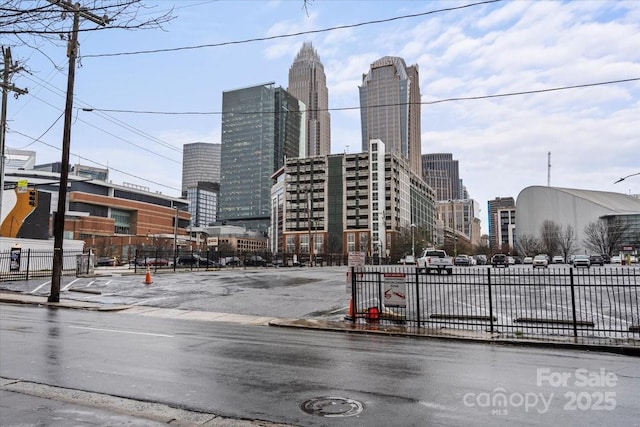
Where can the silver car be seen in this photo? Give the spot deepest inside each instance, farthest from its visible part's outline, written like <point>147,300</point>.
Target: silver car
<point>581,261</point>
<point>540,261</point>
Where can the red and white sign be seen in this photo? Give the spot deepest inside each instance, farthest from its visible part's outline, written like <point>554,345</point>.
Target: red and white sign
<point>395,289</point>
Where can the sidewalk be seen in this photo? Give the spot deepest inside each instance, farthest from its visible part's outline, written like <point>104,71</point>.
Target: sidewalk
<point>628,346</point>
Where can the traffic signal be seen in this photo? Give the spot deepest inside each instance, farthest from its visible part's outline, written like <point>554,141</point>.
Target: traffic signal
<point>33,197</point>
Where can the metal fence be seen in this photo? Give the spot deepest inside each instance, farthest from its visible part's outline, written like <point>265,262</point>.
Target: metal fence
<point>595,302</point>
<point>30,263</point>
<point>168,259</point>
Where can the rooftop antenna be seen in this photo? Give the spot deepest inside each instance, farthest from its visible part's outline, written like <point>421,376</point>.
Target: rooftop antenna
<point>549,169</point>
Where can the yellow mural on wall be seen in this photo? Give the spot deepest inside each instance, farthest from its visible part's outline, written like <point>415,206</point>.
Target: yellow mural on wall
<point>25,202</point>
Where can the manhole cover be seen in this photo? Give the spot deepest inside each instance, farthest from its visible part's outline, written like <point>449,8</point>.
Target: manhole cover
<point>332,407</point>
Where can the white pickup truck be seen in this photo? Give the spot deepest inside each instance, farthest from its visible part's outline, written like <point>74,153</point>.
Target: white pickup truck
<point>434,260</point>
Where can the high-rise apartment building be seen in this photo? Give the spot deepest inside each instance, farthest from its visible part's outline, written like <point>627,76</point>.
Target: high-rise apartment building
<point>343,203</point>
<point>441,173</point>
<point>201,181</point>
<point>390,109</point>
<point>261,126</point>
<point>500,217</point>
<point>308,83</point>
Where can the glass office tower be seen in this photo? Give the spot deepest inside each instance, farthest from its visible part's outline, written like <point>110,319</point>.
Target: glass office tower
<point>390,109</point>
<point>261,125</point>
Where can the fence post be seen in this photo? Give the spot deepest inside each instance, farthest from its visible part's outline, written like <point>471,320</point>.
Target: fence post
<point>380,293</point>
<point>490,300</point>
<point>28,261</point>
<point>573,304</point>
<point>417,271</point>
<point>353,295</point>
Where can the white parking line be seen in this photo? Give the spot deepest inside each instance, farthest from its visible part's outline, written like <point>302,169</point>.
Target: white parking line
<point>121,331</point>
<point>90,283</point>
<point>40,287</point>
<point>70,283</point>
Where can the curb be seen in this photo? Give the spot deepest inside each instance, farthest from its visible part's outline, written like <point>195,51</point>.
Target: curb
<point>345,327</point>
<point>626,350</point>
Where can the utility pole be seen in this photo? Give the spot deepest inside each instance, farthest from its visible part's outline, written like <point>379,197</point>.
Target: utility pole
<point>9,69</point>
<point>58,220</point>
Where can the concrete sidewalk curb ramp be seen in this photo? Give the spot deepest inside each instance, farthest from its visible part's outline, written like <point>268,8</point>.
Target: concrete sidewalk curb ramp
<point>20,298</point>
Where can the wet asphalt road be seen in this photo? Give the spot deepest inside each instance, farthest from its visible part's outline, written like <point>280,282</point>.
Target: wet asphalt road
<point>267,373</point>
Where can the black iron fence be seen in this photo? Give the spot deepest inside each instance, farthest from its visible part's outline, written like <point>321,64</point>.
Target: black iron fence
<point>592,302</point>
<point>31,263</point>
<point>159,259</point>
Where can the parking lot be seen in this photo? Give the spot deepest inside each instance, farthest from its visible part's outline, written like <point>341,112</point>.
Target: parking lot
<point>281,292</point>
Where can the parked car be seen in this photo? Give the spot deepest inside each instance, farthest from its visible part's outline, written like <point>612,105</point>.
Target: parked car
<point>407,259</point>
<point>558,259</point>
<point>480,259</point>
<point>107,261</point>
<point>500,260</point>
<point>616,259</point>
<point>230,261</point>
<point>255,261</point>
<point>462,260</point>
<point>193,260</point>
<point>527,260</point>
<point>540,261</point>
<point>581,261</point>
<point>435,260</point>
<point>596,259</point>
<point>606,258</point>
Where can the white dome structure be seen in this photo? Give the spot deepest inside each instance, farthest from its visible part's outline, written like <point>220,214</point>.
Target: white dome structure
<point>578,208</point>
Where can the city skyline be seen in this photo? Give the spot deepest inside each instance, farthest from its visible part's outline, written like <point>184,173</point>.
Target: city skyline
<point>502,143</point>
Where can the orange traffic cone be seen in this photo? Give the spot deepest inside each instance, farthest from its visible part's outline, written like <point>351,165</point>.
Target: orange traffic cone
<point>147,277</point>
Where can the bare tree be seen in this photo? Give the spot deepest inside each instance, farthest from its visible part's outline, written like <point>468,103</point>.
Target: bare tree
<point>549,237</point>
<point>567,239</point>
<point>37,23</point>
<point>604,237</point>
<point>528,245</point>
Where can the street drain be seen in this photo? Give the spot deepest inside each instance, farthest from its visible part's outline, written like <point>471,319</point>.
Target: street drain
<point>332,407</point>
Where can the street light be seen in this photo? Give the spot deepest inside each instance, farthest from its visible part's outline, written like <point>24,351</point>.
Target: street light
<point>413,241</point>
<point>628,176</point>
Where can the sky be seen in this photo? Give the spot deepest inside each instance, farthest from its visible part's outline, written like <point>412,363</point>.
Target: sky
<point>589,135</point>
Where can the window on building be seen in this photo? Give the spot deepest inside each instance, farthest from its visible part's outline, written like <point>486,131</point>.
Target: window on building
<point>304,243</point>
<point>351,242</point>
<point>318,243</point>
<point>291,244</point>
<point>364,242</point>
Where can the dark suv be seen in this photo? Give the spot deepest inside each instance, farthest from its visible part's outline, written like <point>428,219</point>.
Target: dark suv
<point>255,261</point>
<point>195,261</point>
<point>500,260</point>
<point>596,260</point>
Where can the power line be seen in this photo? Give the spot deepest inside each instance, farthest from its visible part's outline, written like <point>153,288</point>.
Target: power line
<point>301,33</point>
<point>117,122</point>
<point>98,163</point>
<point>439,101</point>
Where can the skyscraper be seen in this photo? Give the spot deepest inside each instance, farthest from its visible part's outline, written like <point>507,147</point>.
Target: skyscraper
<point>200,163</point>
<point>201,181</point>
<point>390,109</point>
<point>308,83</point>
<point>261,126</point>
<point>441,172</point>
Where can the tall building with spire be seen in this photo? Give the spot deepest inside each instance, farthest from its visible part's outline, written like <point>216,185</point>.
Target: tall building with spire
<point>390,109</point>
<point>308,83</point>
